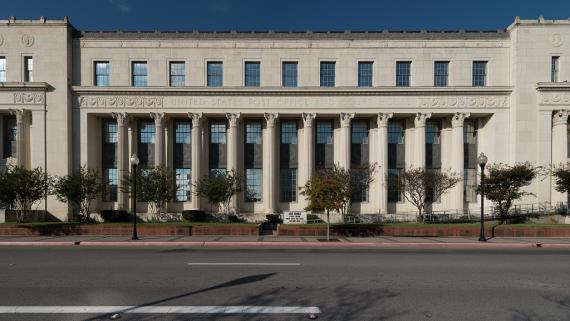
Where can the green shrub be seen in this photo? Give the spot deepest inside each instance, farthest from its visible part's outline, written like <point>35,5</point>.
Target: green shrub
<point>115,216</point>
<point>235,219</point>
<point>274,218</point>
<point>195,216</point>
<point>314,218</point>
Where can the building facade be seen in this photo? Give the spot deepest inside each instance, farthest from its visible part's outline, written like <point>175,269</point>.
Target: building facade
<point>277,106</point>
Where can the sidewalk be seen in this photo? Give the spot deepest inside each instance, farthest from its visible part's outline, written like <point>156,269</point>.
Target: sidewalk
<point>281,241</point>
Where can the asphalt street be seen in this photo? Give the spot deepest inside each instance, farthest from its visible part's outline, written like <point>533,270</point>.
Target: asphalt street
<point>344,284</point>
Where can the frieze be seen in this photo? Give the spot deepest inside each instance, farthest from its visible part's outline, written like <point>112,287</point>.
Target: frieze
<point>555,99</point>
<point>465,102</point>
<point>29,98</point>
<point>121,101</point>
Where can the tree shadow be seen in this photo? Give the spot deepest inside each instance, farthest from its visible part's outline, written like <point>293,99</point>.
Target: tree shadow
<point>520,315</point>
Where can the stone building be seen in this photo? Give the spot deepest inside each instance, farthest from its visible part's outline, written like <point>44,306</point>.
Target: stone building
<point>276,106</point>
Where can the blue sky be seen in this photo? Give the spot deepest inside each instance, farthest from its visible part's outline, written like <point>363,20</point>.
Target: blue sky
<point>287,15</point>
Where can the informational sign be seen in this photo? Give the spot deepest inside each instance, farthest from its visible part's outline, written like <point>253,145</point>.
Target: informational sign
<point>294,217</point>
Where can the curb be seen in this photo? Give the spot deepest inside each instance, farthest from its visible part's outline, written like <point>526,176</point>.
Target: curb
<point>287,244</point>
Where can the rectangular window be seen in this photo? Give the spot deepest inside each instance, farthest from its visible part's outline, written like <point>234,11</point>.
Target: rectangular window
<point>252,74</point>
<point>394,192</point>
<point>140,74</point>
<point>440,73</point>
<point>215,74</point>
<point>183,179</point>
<point>9,136</point>
<point>101,78</point>
<point>359,132</point>
<point>111,183</point>
<point>2,69</point>
<point>365,73</point>
<point>433,132</point>
<point>182,132</point>
<point>147,132</point>
<point>555,69</point>
<point>253,184</point>
<point>396,159</point>
<point>328,73</point>
<point>403,73</point>
<point>288,188</point>
<point>28,69</point>
<point>177,74</point>
<point>395,133</point>
<point>289,133</point>
<point>289,74</point>
<point>110,135</point>
<point>324,132</point>
<point>479,73</point>
<point>253,132</point>
<point>218,132</point>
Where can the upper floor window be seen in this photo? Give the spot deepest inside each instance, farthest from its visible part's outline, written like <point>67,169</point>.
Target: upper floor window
<point>324,132</point>
<point>396,132</point>
<point>252,74</point>
<point>440,73</point>
<point>147,132</point>
<point>365,74</point>
<point>554,69</point>
<point>289,74</point>
<point>433,132</point>
<point>111,134</point>
<point>479,73</point>
<point>215,74</point>
<point>328,73</point>
<point>253,132</point>
<point>28,69</point>
<point>177,74</point>
<point>183,132</point>
<point>140,74</point>
<point>2,68</point>
<point>101,73</point>
<point>218,132</point>
<point>403,73</point>
<point>288,132</point>
<point>360,132</point>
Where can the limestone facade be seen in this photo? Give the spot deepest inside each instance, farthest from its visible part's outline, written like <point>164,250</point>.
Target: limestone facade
<point>55,114</point>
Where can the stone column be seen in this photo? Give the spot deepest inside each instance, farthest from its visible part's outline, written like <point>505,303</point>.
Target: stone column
<point>159,138</point>
<point>270,164</point>
<point>382,170</point>
<point>559,147</point>
<point>122,156</point>
<point>308,136</point>
<point>22,126</point>
<point>457,158</point>
<point>420,139</point>
<point>196,154</point>
<point>345,119</point>
<point>232,147</point>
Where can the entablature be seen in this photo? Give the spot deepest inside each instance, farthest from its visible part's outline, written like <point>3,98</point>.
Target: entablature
<point>23,93</point>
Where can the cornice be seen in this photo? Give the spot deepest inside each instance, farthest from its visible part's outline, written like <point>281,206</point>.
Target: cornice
<point>300,91</point>
<point>23,86</point>
<point>553,86</point>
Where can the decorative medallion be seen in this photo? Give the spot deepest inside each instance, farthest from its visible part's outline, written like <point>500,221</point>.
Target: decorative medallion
<point>28,40</point>
<point>556,40</point>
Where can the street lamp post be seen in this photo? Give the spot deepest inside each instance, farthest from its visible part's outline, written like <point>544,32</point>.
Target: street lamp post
<point>134,163</point>
<point>482,160</point>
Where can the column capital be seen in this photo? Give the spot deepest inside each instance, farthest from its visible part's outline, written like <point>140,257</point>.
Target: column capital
<point>458,118</point>
<point>270,118</point>
<point>308,119</point>
<point>233,118</point>
<point>421,118</point>
<point>196,118</point>
<point>158,118</point>
<point>345,119</point>
<point>122,118</point>
<point>560,117</point>
<point>22,114</point>
<point>383,118</point>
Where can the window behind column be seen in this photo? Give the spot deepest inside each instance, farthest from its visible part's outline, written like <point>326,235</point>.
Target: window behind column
<point>146,142</point>
<point>28,68</point>
<point>324,145</point>
<point>470,128</point>
<point>253,160</point>
<point>433,150</point>
<point>217,148</point>
<point>396,158</point>
<point>139,74</point>
<point>215,74</point>
<point>109,160</point>
<point>10,132</point>
<point>101,77</point>
<point>182,160</point>
<point>288,162</point>
<point>327,73</point>
<point>289,74</point>
<point>359,156</point>
<point>403,73</point>
<point>252,74</point>
<point>177,74</point>
<point>2,69</point>
<point>479,73</point>
<point>365,73</point>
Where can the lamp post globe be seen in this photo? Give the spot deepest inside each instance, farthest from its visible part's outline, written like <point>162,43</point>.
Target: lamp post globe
<point>134,162</point>
<point>482,160</point>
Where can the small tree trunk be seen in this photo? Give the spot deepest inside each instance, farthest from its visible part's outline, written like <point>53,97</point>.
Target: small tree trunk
<point>328,226</point>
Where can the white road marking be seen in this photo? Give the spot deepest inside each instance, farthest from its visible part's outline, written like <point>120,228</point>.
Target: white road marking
<point>159,309</point>
<point>245,263</point>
